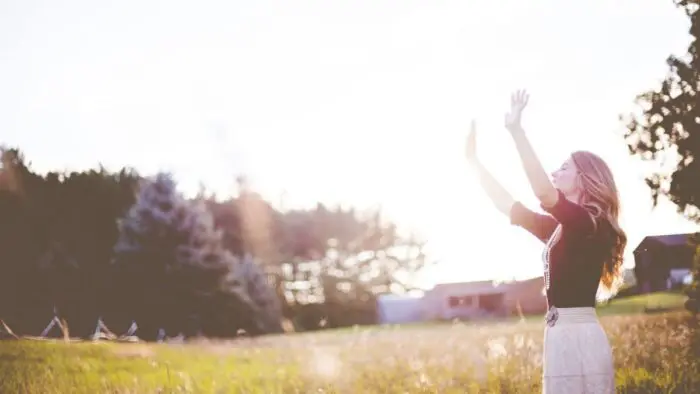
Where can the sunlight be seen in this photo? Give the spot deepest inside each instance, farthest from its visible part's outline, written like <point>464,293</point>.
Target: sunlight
<point>365,105</point>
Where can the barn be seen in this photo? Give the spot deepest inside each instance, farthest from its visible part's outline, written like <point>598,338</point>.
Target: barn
<point>663,261</point>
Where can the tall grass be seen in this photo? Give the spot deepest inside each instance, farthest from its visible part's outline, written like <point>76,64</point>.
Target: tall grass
<point>653,354</point>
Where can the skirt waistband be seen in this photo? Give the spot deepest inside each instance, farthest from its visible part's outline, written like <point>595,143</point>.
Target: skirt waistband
<point>572,315</point>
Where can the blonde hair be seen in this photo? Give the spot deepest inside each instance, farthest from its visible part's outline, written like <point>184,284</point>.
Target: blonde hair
<point>599,194</point>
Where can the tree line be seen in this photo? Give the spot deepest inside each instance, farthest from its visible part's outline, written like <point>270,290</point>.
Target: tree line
<point>125,248</point>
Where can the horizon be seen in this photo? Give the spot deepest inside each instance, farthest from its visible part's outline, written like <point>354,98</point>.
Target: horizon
<point>332,103</point>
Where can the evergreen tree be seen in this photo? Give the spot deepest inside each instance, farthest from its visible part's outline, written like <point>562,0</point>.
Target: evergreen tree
<point>171,256</point>
<point>261,293</point>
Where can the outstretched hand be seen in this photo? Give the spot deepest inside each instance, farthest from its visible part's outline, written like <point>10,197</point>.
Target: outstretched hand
<point>470,151</point>
<point>518,102</point>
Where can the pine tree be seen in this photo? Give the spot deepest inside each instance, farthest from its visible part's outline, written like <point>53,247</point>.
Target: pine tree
<point>263,296</point>
<point>171,256</point>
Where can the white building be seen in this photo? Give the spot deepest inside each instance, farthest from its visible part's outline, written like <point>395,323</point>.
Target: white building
<point>396,309</point>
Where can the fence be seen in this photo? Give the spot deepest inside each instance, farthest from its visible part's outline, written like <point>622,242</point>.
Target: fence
<point>102,332</point>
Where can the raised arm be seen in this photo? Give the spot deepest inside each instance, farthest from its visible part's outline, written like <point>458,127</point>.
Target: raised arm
<point>498,195</point>
<point>541,226</point>
<point>539,181</point>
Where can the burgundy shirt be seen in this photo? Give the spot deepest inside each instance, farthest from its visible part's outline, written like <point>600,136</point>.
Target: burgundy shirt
<point>573,258</point>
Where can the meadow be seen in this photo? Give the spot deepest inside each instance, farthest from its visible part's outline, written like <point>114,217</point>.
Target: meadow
<point>654,353</point>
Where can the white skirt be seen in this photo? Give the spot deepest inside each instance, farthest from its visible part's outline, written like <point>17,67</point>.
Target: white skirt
<point>577,354</point>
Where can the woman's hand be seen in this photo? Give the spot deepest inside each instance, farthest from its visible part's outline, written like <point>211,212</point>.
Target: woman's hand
<point>536,175</point>
<point>518,102</point>
<point>470,151</point>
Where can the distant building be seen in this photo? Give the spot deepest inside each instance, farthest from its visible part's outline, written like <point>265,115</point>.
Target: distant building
<point>526,297</point>
<point>663,262</point>
<point>397,309</point>
<point>465,301</point>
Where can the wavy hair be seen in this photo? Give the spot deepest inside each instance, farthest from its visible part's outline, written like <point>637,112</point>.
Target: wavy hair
<point>600,195</point>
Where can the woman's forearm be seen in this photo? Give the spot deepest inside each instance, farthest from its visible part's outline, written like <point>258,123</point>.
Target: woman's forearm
<point>536,175</point>
<point>497,193</point>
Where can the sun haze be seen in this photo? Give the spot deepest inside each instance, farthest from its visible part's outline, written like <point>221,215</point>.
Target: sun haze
<point>358,102</point>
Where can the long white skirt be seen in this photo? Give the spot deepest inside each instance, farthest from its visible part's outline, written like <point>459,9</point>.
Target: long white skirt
<point>577,354</point>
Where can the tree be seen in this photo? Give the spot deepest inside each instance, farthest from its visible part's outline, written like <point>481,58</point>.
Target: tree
<point>669,127</point>
<point>668,132</point>
<point>344,260</point>
<point>56,237</point>
<point>261,293</point>
<point>693,302</point>
<point>24,305</point>
<point>88,245</point>
<point>82,228</point>
<point>170,258</point>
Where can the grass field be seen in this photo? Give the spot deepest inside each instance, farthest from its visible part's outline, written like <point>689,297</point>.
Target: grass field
<point>663,301</point>
<point>653,353</point>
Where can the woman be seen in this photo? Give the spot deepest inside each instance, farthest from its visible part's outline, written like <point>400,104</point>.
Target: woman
<point>583,247</point>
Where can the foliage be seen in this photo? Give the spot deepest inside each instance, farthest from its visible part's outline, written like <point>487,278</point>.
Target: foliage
<point>58,238</point>
<point>670,125</point>
<point>653,354</point>
<point>693,291</point>
<point>262,295</point>
<point>171,258</point>
<point>355,258</point>
<point>669,132</point>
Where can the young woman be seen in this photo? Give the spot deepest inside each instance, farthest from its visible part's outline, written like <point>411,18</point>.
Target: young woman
<point>583,247</point>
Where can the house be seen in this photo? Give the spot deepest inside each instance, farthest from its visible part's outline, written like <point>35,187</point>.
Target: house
<point>526,297</point>
<point>663,261</point>
<point>466,300</point>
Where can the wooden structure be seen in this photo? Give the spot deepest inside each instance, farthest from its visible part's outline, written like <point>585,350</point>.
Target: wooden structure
<point>661,261</point>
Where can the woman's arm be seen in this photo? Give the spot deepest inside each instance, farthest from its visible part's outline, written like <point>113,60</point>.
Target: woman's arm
<point>539,181</point>
<point>571,215</point>
<point>541,226</point>
<point>498,195</point>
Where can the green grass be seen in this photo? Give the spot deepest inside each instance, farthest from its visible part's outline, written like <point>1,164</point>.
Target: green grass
<point>653,353</point>
<point>647,303</point>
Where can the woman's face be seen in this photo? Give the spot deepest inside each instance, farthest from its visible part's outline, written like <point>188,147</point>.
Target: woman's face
<point>565,178</point>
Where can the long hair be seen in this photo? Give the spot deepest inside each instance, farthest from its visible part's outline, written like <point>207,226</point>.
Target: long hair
<point>600,195</point>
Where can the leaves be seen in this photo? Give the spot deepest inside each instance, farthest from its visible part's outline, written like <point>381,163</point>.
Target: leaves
<point>668,130</point>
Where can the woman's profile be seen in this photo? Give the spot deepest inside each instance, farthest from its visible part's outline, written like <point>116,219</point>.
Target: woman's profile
<point>583,248</point>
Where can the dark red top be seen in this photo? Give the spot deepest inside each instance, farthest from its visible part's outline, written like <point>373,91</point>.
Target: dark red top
<point>576,255</point>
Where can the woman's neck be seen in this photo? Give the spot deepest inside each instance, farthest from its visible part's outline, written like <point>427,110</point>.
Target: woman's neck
<point>574,197</point>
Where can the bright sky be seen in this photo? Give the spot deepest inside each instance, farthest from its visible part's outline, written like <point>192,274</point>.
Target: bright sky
<point>358,101</point>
